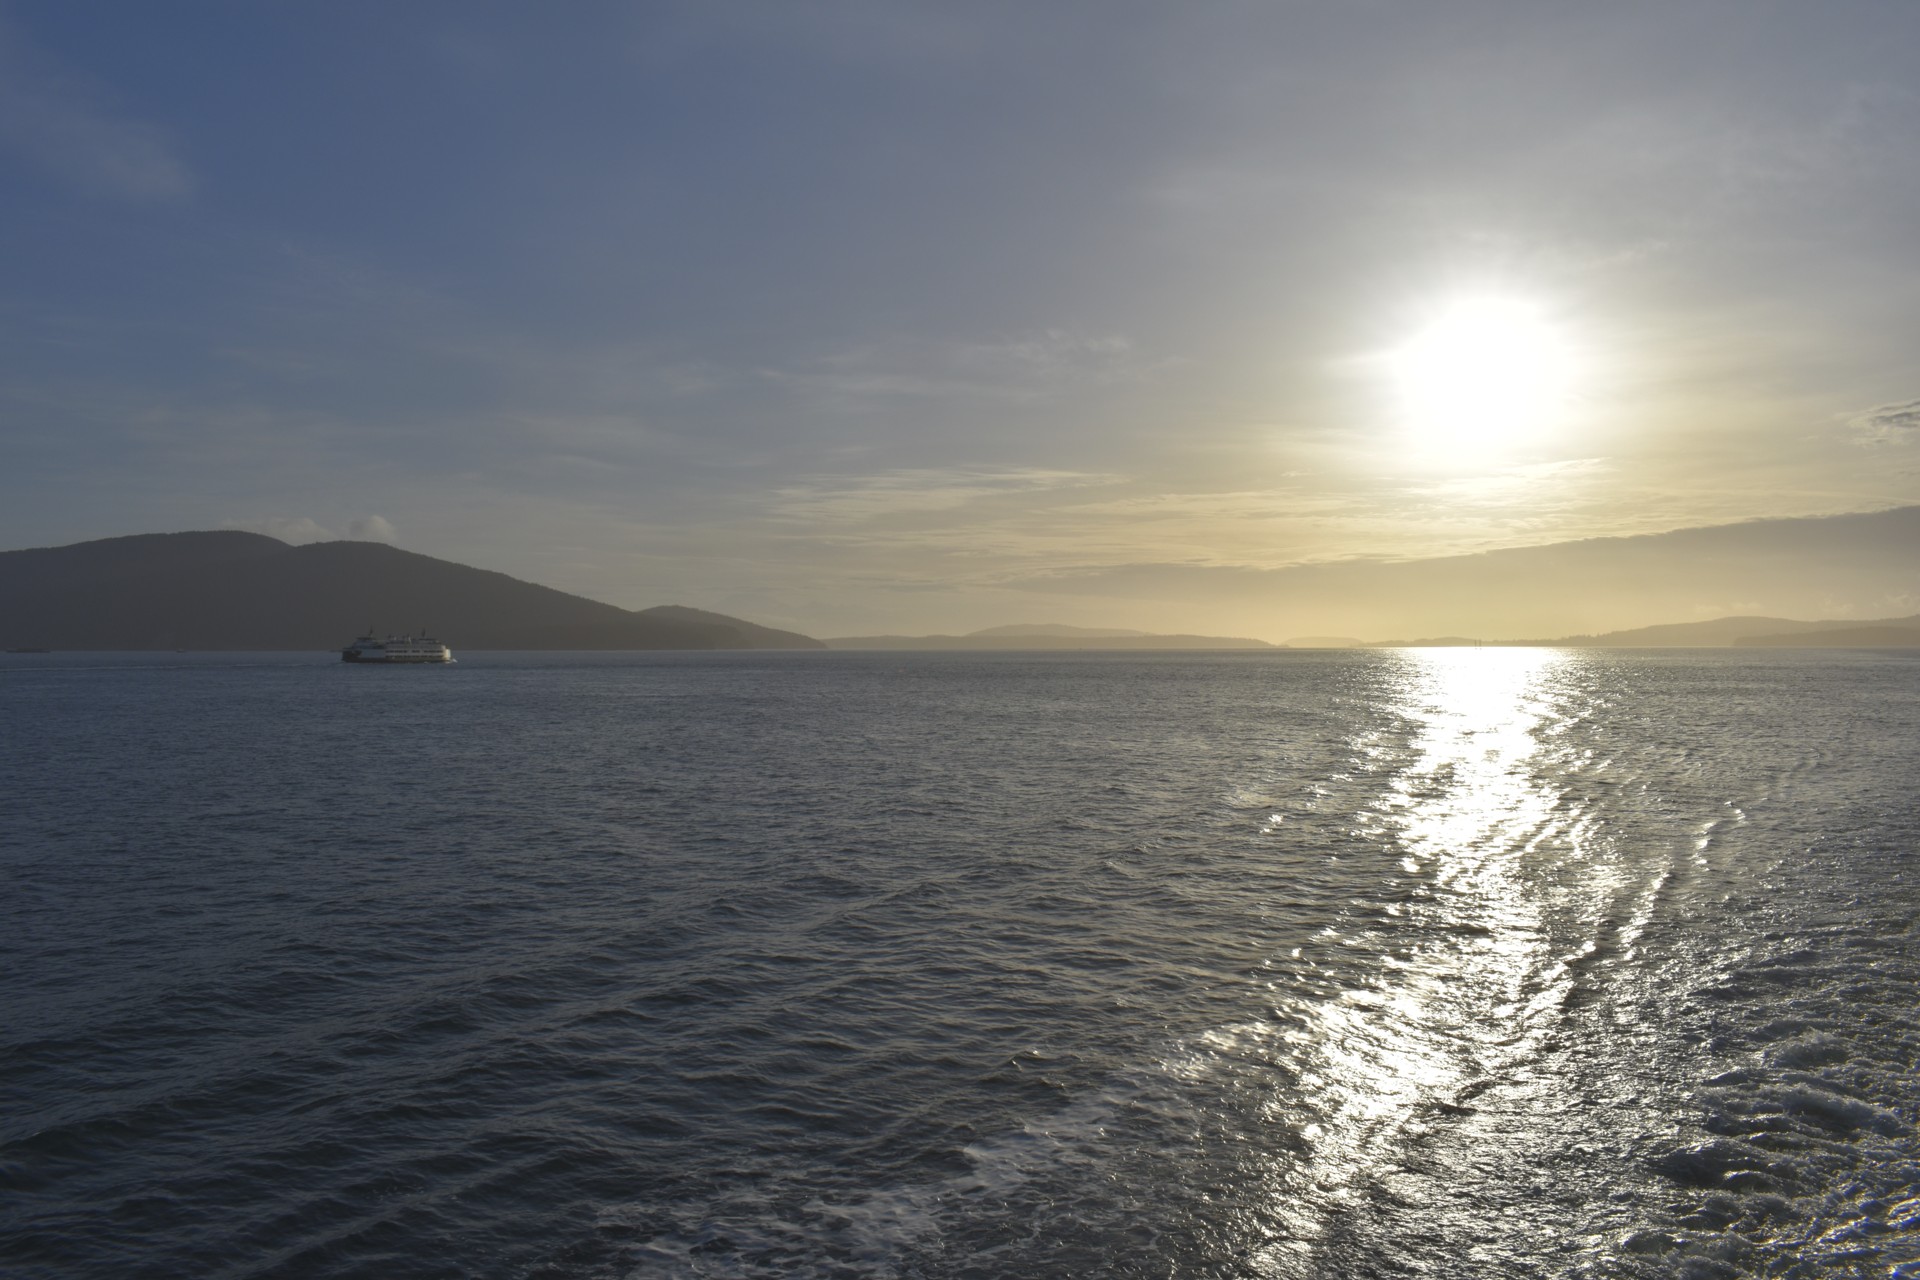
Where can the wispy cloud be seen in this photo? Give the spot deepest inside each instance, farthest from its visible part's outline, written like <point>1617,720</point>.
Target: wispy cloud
<point>60,119</point>
<point>295,529</point>
<point>371,529</point>
<point>302,529</point>
<point>858,499</point>
<point>1889,424</point>
<point>1017,367</point>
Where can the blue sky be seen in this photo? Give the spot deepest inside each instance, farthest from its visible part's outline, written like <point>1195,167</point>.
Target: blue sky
<point>875,316</point>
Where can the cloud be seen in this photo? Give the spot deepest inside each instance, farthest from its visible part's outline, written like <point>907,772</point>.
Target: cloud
<point>295,529</point>
<point>371,529</point>
<point>59,119</point>
<point>1889,424</point>
<point>299,529</point>
<point>916,490</point>
<point>1053,349</point>
<point>1020,367</point>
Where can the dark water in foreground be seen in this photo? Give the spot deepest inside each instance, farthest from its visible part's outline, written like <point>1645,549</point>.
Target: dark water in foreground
<point>1448,963</point>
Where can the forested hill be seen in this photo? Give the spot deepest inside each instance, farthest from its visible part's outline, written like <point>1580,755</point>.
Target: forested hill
<point>233,590</point>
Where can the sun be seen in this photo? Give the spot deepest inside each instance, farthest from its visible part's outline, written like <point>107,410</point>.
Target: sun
<point>1482,373</point>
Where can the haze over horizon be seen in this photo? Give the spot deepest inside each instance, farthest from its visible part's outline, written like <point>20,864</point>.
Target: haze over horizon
<point>860,318</point>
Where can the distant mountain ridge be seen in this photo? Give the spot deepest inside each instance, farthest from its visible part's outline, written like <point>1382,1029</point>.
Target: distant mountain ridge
<point>1716,633</point>
<point>1048,635</point>
<point>1053,629</point>
<point>1747,631</point>
<point>1860,565</point>
<point>231,590</point>
<point>1873,637</point>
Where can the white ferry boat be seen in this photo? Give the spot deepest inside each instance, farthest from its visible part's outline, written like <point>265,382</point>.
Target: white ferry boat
<point>420,648</point>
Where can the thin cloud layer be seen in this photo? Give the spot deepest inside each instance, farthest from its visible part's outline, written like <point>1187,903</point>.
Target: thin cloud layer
<point>885,314</point>
<point>60,120</point>
<point>304,529</point>
<point>1890,423</point>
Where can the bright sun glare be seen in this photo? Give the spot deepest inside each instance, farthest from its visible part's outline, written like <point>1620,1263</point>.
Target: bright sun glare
<point>1481,373</point>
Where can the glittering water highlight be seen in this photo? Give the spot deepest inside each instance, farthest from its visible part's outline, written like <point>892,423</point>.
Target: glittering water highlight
<point>1450,962</point>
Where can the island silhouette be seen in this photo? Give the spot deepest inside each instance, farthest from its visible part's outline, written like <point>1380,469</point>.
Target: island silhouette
<point>233,590</point>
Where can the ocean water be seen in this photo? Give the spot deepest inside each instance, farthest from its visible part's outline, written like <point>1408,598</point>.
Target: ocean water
<point>1451,963</point>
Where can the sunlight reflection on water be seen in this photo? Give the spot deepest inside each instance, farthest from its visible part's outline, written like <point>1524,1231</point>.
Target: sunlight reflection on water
<point>1459,963</point>
<point>1441,1019</point>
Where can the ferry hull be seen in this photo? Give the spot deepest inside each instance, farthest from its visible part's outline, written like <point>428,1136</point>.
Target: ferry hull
<point>394,662</point>
<point>395,650</point>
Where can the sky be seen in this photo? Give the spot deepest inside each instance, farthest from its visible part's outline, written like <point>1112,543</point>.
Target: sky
<point>893,317</point>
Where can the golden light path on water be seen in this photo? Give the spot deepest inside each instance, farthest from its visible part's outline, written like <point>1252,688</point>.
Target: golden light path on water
<point>1478,880</point>
<point>1451,1013</point>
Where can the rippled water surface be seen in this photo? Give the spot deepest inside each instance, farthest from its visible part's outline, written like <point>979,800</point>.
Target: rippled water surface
<point>1424,963</point>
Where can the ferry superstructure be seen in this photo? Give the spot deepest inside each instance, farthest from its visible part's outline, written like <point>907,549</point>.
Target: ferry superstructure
<point>420,648</point>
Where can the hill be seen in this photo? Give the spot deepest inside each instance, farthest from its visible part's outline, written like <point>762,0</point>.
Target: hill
<point>1880,636</point>
<point>1738,631</point>
<point>1863,565</point>
<point>232,590</point>
<point>748,635</point>
<point>1717,633</point>
<point>1053,629</point>
<point>1048,636</point>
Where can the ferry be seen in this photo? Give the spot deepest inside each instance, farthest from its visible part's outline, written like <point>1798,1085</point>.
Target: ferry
<point>420,648</point>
